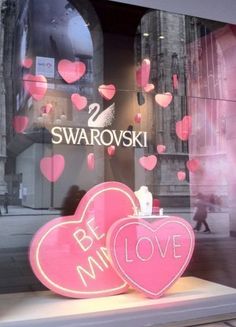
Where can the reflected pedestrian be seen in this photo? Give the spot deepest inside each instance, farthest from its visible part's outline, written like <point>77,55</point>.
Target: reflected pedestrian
<point>71,201</point>
<point>6,202</point>
<point>201,214</point>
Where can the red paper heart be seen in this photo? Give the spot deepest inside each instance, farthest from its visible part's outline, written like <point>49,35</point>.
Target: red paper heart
<point>161,148</point>
<point>138,118</point>
<point>69,255</point>
<point>111,150</point>
<point>183,128</point>
<point>107,91</point>
<point>193,165</point>
<point>181,175</point>
<point>71,71</point>
<point>35,85</point>
<point>91,161</point>
<point>52,167</point>
<point>143,73</point>
<point>149,87</point>
<point>150,257</point>
<point>20,123</point>
<point>149,162</point>
<point>79,101</point>
<point>27,63</point>
<point>164,99</point>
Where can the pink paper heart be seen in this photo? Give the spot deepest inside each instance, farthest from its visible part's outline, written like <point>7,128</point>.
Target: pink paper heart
<point>79,101</point>
<point>46,109</point>
<point>91,161</point>
<point>183,128</point>
<point>164,99</point>
<point>111,150</point>
<point>35,85</point>
<point>149,87</point>
<point>143,73</point>
<point>181,175</point>
<point>193,165</point>
<point>20,123</point>
<point>150,257</point>
<point>52,167</point>
<point>27,63</point>
<point>161,148</point>
<point>149,162</point>
<point>107,91</point>
<point>69,255</point>
<point>71,71</point>
<point>138,118</point>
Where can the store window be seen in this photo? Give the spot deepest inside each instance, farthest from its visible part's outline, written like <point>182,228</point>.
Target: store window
<point>99,92</point>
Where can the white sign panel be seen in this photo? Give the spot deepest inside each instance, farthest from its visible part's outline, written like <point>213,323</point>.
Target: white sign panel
<point>45,66</point>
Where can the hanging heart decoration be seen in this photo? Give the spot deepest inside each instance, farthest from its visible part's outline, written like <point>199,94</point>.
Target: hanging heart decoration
<point>138,118</point>
<point>71,71</point>
<point>181,175</point>
<point>35,85</point>
<point>80,102</point>
<point>111,150</point>
<point>143,73</point>
<point>183,128</point>
<point>52,167</point>
<point>161,148</point>
<point>163,99</point>
<point>27,63</point>
<point>148,162</point>
<point>20,123</point>
<point>91,161</point>
<point>193,165</point>
<point>107,91</point>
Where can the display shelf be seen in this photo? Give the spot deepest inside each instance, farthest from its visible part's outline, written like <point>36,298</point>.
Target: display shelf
<point>190,298</point>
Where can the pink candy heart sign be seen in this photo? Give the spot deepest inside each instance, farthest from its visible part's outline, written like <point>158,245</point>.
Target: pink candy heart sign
<point>150,257</point>
<point>164,99</point>
<point>52,167</point>
<point>79,101</point>
<point>107,91</point>
<point>69,255</point>
<point>36,86</point>
<point>20,123</point>
<point>143,73</point>
<point>149,162</point>
<point>71,71</point>
<point>183,128</point>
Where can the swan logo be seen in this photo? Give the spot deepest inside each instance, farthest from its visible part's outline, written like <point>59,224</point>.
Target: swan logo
<point>103,119</point>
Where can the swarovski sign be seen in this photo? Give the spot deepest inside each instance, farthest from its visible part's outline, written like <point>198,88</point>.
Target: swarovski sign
<point>96,136</point>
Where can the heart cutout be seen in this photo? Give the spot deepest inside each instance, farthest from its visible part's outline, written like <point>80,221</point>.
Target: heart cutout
<point>68,254</point>
<point>161,148</point>
<point>163,99</point>
<point>181,175</point>
<point>143,73</point>
<point>193,165</point>
<point>35,85</point>
<point>79,101</point>
<point>183,128</point>
<point>107,91</point>
<point>46,109</point>
<point>138,118</point>
<point>71,71</point>
<point>91,161</point>
<point>52,167</point>
<point>111,150</point>
<point>149,162</point>
<point>151,257</point>
<point>20,123</point>
<point>27,63</point>
<point>149,87</point>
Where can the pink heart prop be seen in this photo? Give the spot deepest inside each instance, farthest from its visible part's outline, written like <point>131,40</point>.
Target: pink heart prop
<point>111,150</point>
<point>52,167</point>
<point>91,161</point>
<point>143,73</point>
<point>71,71</point>
<point>149,87</point>
<point>164,99</point>
<point>193,165</point>
<point>150,257</point>
<point>161,148</point>
<point>175,81</point>
<point>138,118</point>
<point>107,91</point>
<point>20,123</point>
<point>35,85</point>
<point>183,128</point>
<point>27,63</point>
<point>79,101</point>
<point>46,109</point>
<point>181,175</point>
<point>69,255</point>
<point>149,162</point>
